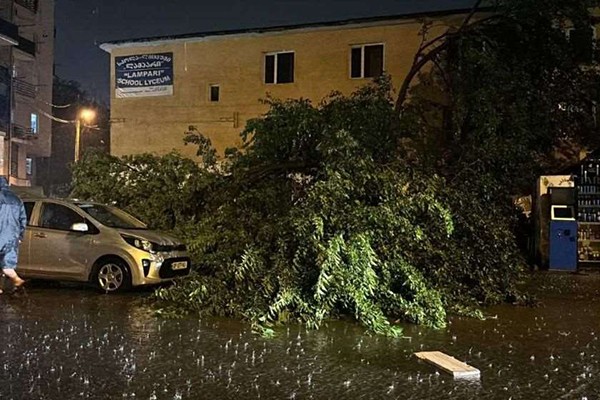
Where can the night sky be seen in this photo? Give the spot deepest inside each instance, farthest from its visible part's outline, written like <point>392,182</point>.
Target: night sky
<point>81,25</point>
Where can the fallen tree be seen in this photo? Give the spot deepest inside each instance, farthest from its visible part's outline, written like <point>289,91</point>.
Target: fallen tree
<point>379,207</point>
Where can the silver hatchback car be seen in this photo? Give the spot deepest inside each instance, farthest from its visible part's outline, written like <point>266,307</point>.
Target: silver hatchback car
<point>71,240</point>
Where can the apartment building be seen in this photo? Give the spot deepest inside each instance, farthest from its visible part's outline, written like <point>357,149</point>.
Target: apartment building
<point>26,73</point>
<point>214,81</point>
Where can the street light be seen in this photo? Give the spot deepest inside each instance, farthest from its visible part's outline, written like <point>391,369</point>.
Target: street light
<point>86,115</point>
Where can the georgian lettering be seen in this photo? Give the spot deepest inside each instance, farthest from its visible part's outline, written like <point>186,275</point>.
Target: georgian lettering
<point>144,75</point>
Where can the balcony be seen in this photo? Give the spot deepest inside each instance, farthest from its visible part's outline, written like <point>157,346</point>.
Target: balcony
<point>24,88</point>
<point>20,132</point>
<point>31,5</point>
<point>9,33</point>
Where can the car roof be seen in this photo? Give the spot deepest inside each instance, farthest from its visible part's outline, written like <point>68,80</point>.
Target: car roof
<point>58,200</point>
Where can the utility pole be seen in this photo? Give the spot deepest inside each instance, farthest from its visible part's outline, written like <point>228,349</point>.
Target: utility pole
<point>87,115</point>
<point>77,138</point>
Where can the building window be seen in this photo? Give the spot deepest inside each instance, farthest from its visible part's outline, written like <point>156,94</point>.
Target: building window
<point>214,93</point>
<point>279,67</point>
<point>29,166</point>
<point>34,123</point>
<point>583,43</point>
<point>366,61</point>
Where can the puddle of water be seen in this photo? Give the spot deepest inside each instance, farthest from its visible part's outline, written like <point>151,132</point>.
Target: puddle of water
<point>61,343</point>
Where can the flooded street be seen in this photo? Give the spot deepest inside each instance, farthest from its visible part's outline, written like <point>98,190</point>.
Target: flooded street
<point>70,342</point>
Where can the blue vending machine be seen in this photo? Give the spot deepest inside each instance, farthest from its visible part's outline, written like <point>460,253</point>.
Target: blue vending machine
<point>563,238</point>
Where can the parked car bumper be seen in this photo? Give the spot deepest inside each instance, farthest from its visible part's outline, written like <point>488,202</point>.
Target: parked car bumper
<point>154,268</point>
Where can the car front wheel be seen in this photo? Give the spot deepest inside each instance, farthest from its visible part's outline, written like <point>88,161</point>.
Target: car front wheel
<point>112,276</point>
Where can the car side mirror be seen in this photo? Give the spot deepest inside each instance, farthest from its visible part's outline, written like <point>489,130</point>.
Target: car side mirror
<point>80,227</point>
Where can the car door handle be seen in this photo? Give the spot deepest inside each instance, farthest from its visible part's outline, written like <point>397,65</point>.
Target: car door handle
<point>39,235</point>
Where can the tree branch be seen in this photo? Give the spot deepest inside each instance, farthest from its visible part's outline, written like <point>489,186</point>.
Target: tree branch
<point>471,14</point>
<point>422,58</point>
<point>414,70</point>
<point>260,172</point>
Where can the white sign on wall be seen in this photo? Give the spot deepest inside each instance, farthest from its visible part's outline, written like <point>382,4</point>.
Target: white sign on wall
<point>144,75</point>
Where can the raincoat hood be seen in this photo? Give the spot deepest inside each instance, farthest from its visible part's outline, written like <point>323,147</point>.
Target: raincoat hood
<point>13,218</point>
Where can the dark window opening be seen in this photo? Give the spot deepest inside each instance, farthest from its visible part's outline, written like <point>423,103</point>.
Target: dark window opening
<point>270,69</point>
<point>356,63</point>
<point>373,61</point>
<point>279,68</point>
<point>285,68</point>
<point>366,61</point>
<point>214,93</point>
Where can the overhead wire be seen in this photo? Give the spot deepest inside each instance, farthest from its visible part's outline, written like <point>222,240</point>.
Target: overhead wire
<point>47,115</point>
<point>52,117</point>
<point>56,106</point>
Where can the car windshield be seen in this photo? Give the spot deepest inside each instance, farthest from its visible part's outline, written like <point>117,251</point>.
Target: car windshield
<point>111,216</point>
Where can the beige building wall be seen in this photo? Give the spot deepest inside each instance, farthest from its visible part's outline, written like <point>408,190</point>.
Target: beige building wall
<point>236,62</point>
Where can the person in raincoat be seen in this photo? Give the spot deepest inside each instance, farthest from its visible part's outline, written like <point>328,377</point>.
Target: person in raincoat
<point>13,220</point>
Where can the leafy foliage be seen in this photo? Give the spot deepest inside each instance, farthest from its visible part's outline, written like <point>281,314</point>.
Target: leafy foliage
<point>163,191</point>
<point>340,226</point>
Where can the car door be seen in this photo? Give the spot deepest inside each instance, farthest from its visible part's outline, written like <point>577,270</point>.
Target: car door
<point>24,246</point>
<point>55,251</point>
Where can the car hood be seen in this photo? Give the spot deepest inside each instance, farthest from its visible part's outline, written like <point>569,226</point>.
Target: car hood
<point>152,236</point>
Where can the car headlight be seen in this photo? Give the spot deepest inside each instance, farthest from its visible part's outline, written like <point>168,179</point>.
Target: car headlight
<point>141,244</point>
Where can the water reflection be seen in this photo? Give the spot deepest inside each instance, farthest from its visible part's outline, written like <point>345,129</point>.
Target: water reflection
<point>62,343</point>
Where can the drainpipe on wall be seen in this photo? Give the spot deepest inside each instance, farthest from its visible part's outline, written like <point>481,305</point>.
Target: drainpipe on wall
<point>9,131</point>
<point>11,104</point>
